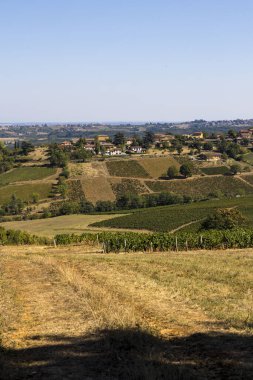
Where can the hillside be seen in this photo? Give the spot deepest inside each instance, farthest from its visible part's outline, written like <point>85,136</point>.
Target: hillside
<point>108,179</point>
<point>42,186</point>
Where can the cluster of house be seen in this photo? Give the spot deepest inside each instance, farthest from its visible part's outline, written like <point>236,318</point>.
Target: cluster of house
<point>246,134</point>
<point>106,146</point>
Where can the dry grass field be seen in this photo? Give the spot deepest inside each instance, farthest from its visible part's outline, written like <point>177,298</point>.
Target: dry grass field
<point>97,189</point>
<point>72,314</point>
<point>158,166</point>
<point>76,224</point>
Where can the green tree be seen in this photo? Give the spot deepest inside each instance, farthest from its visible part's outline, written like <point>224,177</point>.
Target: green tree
<point>26,148</point>
<point>35,197</point>
<point>225,219</point>
<point>172,172</point>
<point>186,170</point>
<point>57,157</point>
<point>148,139</point>
<point>97,147</point>
<point>208,146</point>
<point>119,139</point>
<point>234,169</point>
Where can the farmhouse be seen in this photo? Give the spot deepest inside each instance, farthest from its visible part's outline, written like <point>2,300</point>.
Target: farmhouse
<point>136,149</point>
<point>198,135</point>
<point>114,152</point>
<point>246,133</point>
<point>66,144</point>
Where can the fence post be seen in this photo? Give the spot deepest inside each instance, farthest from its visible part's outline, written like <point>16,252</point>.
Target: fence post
<point>176,245</point>
<point>186,245</point>
<point>55,245</point>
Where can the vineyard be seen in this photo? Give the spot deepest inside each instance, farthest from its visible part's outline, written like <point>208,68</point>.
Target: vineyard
<point>124,186</point>
<point>167,218</point>
<point>127,168</point>
<point>162,242</point>
<point>201,187</point>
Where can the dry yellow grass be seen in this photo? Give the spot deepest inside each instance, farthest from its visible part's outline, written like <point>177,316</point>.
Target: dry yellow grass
<point>97,189</point>
<point>157,166</point>
<point>68,314</point>
<point>61,224</point>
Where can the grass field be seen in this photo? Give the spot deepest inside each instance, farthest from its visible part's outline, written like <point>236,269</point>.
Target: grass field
<point>168,218</point>
<point>127,168</point>
<point>27,173</point>
<point>201,187</point>
<point>157,166</point>
<point>67,314</point>
<point>248,158</point>
<point>214,170</point>
<point>61,224</point>
<point>25,191</point>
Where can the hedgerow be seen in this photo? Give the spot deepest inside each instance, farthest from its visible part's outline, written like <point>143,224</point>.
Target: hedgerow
<point>16,237</point>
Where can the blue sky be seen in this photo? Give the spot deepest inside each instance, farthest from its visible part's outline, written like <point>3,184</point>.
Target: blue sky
<point>125,60</point>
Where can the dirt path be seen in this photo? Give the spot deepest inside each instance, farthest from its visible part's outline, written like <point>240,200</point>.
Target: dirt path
<point>245,181</point>
<point>63,317</point>
<point>185,225</point>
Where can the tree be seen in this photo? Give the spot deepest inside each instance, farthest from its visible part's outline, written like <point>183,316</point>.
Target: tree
<point>14,206</point>
<point>35,197</point>
<point>234,169</point>
<point>186,170</point>
<point>80,143</point>
<point>26,148</point>
<point>172,172</point>
<point>179,149</point>
<point>148,139</point>
<point>225,219</point>
<point>232,134</point>
<point>208,146</point>
<point>56,156</point>
<point>97,147</point>
<point>119,139</point>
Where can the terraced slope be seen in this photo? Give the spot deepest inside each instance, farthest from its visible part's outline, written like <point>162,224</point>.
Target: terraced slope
<point>202,186</point>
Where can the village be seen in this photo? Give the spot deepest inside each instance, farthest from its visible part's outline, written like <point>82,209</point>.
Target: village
<point>198,145</point>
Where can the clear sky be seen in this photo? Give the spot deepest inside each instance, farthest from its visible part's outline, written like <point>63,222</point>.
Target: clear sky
<point>125,60</point>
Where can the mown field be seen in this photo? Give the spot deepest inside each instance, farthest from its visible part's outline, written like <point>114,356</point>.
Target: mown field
<point>65,313</point>
<point>60,224</point>
<point>25,191</point>
<point>27,173</point>
<point>203,186</point>
<point>168,218</point>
